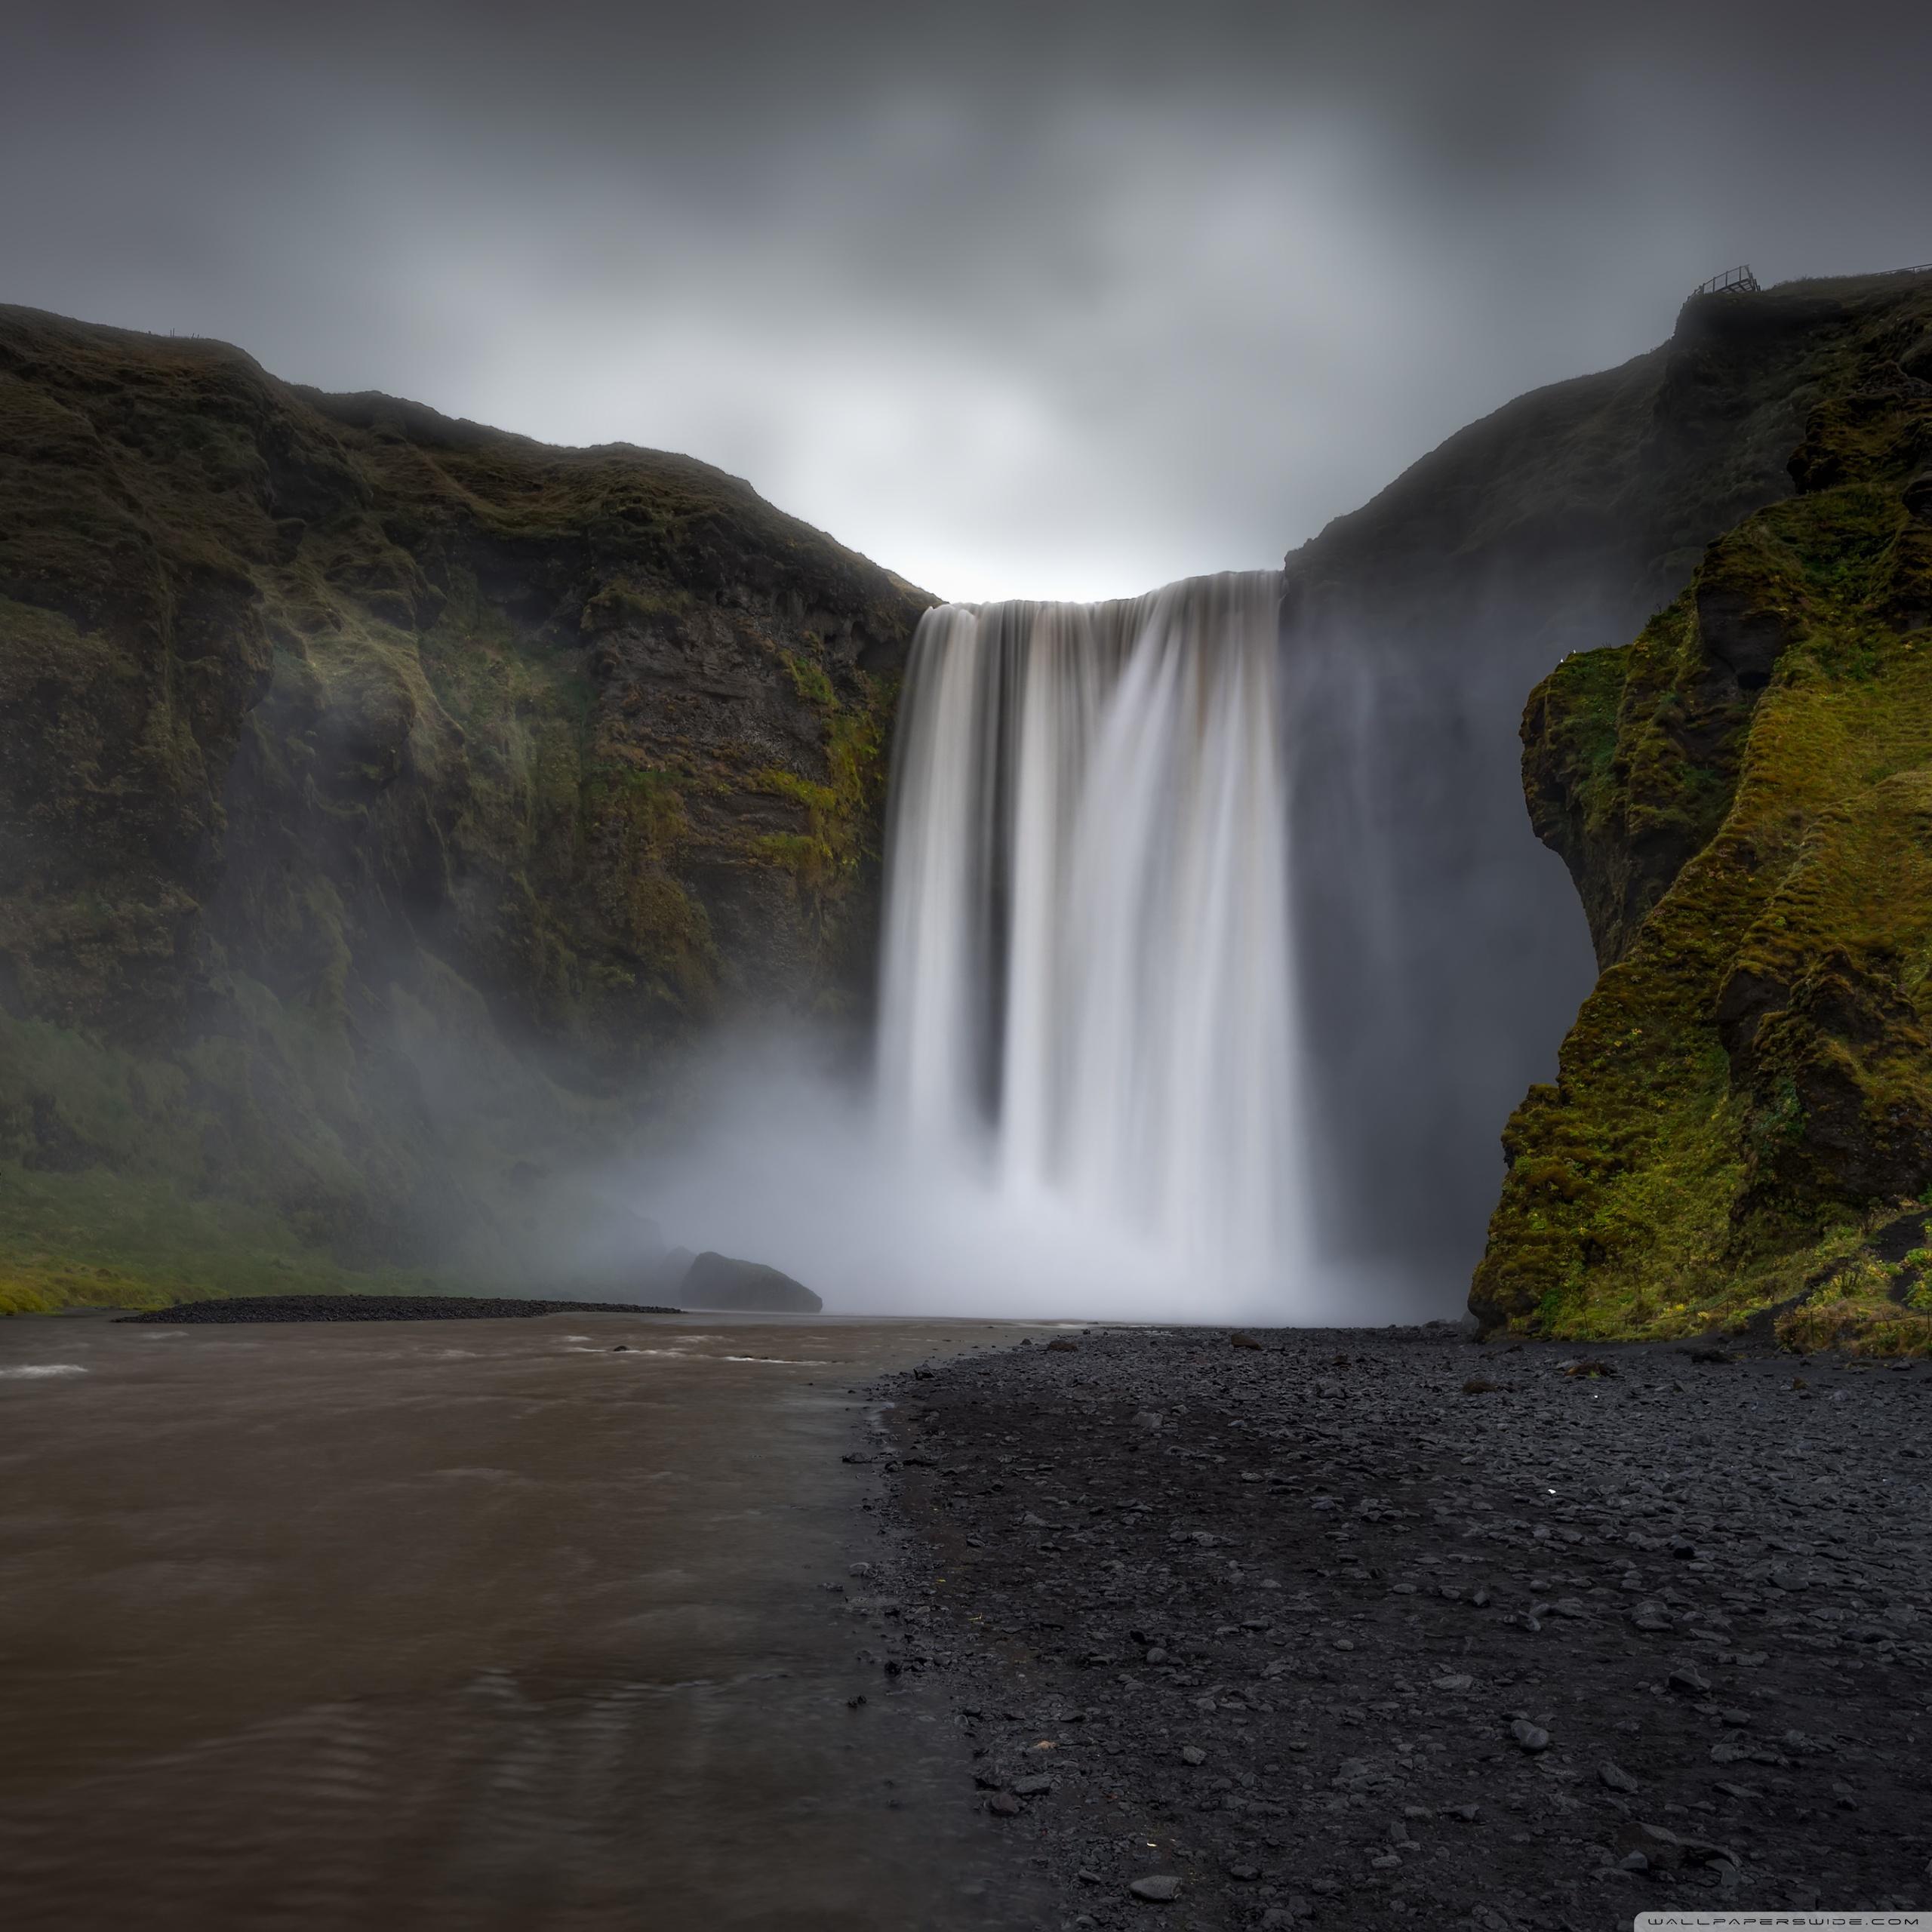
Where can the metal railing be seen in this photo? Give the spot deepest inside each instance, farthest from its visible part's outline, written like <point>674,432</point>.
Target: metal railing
<point>1739,280</point>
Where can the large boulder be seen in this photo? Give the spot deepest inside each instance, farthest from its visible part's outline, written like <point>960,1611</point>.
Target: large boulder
<point>717,1280</point>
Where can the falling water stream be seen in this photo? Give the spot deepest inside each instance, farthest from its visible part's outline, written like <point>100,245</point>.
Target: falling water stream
<point>1087,976</point>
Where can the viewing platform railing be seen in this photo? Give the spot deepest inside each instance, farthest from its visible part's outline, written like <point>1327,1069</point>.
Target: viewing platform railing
<point>1739,280</point>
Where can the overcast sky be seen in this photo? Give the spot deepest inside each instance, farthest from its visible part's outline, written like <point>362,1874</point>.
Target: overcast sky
<point>1018,299</point>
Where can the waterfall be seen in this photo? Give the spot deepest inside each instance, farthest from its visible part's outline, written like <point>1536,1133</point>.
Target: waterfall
<point>1087,982</point>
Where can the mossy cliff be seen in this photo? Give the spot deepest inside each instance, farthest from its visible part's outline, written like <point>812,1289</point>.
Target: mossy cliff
<point>383,800</point>
<point>1443,955</point>
<point>1741,1126</point>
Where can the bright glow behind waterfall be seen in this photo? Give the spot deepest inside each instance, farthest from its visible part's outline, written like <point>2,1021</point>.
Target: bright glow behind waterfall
<point>1087,986</point>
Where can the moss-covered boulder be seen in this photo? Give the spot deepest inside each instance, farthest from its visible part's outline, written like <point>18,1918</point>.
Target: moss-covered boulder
<point>1741,1126</point>
<point>383,799</point>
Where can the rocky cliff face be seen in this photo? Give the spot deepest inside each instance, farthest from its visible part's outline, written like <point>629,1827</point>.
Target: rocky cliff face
<point>1741,1126</point>
<point>1443,956</point>
<point>383,799</point>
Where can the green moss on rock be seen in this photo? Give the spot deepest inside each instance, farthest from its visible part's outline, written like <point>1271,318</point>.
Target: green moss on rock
<point>1744,796</point>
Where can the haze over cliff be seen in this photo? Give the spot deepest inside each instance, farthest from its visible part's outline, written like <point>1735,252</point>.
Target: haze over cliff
<point>385,799</point>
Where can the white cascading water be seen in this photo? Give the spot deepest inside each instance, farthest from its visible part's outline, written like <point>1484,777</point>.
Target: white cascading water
<point>1088,973</point>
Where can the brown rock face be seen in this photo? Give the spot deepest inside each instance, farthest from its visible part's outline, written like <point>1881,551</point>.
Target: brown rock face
<point>383,798</point>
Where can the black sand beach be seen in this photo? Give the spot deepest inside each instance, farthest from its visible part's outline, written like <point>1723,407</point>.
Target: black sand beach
<point>1311,1630</point>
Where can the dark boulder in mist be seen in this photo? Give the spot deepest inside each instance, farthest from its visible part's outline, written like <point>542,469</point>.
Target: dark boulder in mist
<point>715,1281</point>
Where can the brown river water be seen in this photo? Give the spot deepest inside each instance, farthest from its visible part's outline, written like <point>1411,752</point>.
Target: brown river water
<point>464,1624</point>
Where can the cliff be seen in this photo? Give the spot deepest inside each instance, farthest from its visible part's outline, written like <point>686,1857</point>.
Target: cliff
<point>383,800</point>
<point>1740,1131</point>
<point>1443,956</point>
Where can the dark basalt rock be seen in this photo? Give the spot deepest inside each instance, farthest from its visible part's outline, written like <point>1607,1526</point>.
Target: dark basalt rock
<point>1740,632</point>
<point>377,1308</point>
<point>716,1281</point>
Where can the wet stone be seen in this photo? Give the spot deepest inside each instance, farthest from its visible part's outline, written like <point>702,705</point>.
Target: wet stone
<point>1326,1579</point>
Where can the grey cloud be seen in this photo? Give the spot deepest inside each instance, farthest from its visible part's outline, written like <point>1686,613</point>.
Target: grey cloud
<point>1018,298</point>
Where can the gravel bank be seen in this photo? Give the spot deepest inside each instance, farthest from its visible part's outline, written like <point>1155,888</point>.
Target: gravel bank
<point>1384,1627</point>
<point>379,1308</point>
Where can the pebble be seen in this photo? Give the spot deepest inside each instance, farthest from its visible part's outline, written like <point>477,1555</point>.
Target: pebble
<point>1394,1533</point>
<point>1161,1889</point>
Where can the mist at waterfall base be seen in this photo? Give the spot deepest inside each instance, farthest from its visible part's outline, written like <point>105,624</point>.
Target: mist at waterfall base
<point>1087,1098</point>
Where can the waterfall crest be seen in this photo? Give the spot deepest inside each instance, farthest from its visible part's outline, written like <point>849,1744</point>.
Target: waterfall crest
<point>1088,973</point>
